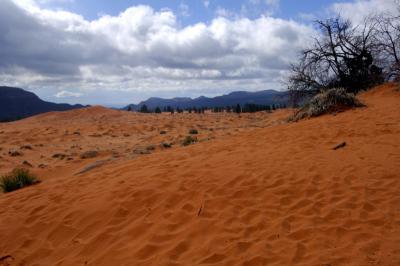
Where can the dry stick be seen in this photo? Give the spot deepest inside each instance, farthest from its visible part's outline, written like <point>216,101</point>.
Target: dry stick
<point>341,145</point>
<point>6,257</point>
<point>201,209</point>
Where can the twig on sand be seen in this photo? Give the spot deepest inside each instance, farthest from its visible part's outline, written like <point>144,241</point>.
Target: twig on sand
<point>339,146</point>
<point>92,166</point>
<point>6,257</point>
<point>201,209</point>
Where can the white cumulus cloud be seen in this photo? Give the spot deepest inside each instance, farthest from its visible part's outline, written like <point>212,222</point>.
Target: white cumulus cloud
<point>68,94</point>
<point>142,50</point>
<point>358,10</point>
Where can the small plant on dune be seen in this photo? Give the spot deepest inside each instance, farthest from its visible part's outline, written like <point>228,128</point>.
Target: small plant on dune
<point>330,101</point>
<point>151,147</point>
<point>14,153</point>
<point>89,154</point>
<point>193,132</point>
<point>17,179</point>
<point>189,140</point>
<point>166,145</point>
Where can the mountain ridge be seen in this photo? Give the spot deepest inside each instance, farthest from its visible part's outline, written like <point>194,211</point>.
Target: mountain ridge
<point>264,97</point>
<point>17,103</point>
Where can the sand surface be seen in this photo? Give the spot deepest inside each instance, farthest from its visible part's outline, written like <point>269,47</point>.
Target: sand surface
<point>254,190</point>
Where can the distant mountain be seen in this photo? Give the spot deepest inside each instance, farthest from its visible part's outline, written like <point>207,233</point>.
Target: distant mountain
<point>266,97</point>
<point>17,103</point>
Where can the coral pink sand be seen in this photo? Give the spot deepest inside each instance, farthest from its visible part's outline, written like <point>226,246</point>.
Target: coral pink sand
<point>273,195</point>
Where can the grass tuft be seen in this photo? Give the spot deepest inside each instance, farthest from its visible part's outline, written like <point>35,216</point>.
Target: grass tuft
<point>166,145</point>
<point>330,101</point>
<point>189,140</point>
<point>17,179</point>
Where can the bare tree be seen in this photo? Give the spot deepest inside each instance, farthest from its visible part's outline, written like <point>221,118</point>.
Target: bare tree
<point>388,39</point>
<point>342,55</point>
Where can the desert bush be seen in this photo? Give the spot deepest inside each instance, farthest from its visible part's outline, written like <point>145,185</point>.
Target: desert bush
<point>141,151</point>
<point>14,153</point>
<point>151,147</point>
<point>189,140</point>
<point>166,145</point>
<point>89,154</point>
<point>60,156</point>
<point>17,179</point>
<point>26,163</point>
<point>26,147</point>
<point>193,132</point>
<point>330,101</point>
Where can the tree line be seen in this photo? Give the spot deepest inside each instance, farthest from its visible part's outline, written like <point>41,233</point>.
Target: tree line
<point>246,108</point>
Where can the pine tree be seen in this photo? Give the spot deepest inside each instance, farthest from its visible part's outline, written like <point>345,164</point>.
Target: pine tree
<point>144,109</point>
<point>238,109</point>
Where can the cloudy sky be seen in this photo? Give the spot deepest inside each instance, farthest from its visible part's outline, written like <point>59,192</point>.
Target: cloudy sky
<point>119,52</point>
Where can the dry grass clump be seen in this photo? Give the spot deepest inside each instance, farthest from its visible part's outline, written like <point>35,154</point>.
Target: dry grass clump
<point>14,153</point>
<point>89,154</point>
<point>166,145</point>
<point>17,179</point>
<point>189,140</point>
<point>330,101</point>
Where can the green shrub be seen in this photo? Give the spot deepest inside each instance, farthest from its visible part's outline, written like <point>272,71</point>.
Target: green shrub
<point>189,140</point>
<point>330,101</point>
<point>17,179</point>
<point>193,132</point>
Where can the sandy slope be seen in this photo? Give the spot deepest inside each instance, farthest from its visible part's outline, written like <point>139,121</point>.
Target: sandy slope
<point>57,140</point>
<point>263,196</point>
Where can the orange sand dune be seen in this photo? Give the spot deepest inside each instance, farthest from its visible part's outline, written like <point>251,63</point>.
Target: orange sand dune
<point>266,195</point>
<point>56,140</point>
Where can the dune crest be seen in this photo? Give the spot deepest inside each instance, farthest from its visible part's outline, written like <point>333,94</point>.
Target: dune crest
<point>267,193</point>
